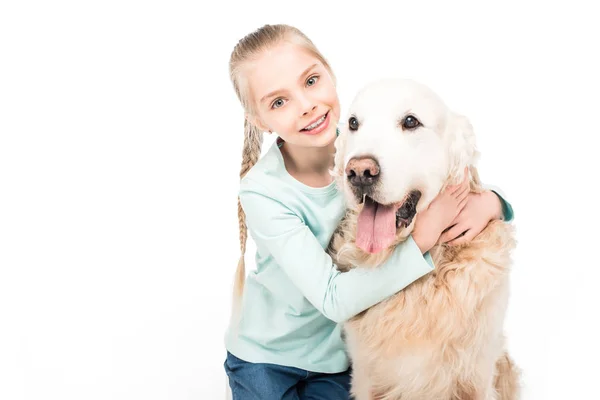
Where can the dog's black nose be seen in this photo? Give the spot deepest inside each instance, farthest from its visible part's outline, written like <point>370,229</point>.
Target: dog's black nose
<point>362,171</point>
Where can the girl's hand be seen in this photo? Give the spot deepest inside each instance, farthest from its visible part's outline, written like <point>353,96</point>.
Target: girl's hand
<point>439,215</point>
<point>481,208</point>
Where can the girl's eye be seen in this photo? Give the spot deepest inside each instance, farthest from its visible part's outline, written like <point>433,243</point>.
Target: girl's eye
<point>277,103</point>
<point>310,82</point>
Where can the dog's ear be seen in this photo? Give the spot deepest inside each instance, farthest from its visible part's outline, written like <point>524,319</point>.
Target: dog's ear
<point>461,145</point>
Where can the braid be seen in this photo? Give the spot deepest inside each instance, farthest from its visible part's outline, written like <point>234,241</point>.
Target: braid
<point>252,148</point>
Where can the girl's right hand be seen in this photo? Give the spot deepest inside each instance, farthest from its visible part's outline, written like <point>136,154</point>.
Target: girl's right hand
<point>439,215</point>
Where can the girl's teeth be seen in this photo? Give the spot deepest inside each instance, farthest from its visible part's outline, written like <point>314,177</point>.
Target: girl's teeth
<point>313,126</point>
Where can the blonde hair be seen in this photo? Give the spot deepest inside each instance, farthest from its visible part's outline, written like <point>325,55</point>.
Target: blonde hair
<point>248,49</point>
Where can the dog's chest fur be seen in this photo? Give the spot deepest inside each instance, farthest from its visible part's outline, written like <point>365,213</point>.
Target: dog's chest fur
<point>441,326</point>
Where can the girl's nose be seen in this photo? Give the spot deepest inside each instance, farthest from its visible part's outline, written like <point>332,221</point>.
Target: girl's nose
<point>309,108</point>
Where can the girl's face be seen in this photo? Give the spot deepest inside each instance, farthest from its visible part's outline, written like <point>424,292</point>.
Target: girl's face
<point>294,96</point>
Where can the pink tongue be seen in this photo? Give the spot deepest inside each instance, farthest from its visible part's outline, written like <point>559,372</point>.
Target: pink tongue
<point>376,227</point>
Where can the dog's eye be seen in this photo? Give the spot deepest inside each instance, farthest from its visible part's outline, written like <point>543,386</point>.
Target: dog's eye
<point>410,122</point>
<point>353,124</point>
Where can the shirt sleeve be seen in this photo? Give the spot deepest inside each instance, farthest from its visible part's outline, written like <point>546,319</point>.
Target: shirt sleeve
<point>507,210</point>
<point>338,296</point>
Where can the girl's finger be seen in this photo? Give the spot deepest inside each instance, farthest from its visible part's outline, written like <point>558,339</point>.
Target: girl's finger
<point>452,233</point>
<point>468,236</point>
<point>451,189</point>
<point>465,183</point>
<point>463,193</point>
<point>462,204</point>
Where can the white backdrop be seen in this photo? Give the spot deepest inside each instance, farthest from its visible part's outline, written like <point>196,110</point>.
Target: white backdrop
<point>120,150</point>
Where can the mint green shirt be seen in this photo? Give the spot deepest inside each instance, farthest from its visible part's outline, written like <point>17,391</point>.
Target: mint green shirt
<point>295,301</point>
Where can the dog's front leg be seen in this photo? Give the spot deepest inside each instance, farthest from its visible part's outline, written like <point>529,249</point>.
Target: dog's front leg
<point>338,240</point>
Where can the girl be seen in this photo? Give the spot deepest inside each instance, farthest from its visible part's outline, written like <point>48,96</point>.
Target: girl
<point>287,341</point>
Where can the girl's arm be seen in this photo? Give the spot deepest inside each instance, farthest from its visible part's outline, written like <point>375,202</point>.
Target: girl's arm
<point>339,296</point>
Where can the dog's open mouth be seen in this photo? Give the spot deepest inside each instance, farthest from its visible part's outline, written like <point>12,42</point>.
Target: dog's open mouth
<point>407,211</point>
<point>377,223</point>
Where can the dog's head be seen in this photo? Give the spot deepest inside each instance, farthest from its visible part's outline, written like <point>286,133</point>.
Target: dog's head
<point>398,148</point>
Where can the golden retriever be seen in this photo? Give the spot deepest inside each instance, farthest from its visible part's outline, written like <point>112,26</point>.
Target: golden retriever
<point>442,336</point>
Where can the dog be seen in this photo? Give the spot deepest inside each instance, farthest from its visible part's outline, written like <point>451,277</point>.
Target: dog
<point>442,336</point>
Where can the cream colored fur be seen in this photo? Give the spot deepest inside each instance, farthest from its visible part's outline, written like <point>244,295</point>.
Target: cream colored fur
<point>441,337</point>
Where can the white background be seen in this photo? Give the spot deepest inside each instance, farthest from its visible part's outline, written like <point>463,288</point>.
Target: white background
<point>120,151</point>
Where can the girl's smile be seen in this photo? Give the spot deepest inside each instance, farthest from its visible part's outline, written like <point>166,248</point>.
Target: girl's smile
<point>318,125</point>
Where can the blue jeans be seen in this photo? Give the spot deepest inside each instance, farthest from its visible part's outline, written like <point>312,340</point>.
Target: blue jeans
<point>257,381</point>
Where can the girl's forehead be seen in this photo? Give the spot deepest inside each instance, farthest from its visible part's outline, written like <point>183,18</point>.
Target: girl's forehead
<point>287,55</point>
<point>280,68</point>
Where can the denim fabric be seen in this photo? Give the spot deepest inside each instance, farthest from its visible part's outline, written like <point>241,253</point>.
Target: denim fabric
<point>260,381</point>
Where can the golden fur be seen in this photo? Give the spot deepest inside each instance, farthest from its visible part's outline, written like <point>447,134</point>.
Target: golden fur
<point>441,337</point>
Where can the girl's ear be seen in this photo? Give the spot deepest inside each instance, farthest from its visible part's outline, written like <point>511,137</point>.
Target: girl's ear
<point>257,122</point>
